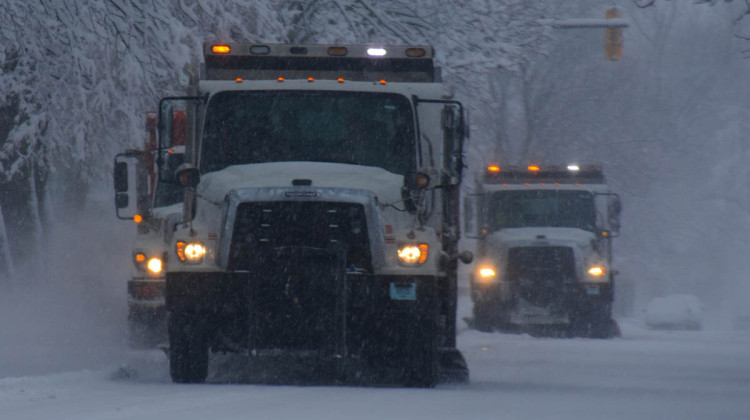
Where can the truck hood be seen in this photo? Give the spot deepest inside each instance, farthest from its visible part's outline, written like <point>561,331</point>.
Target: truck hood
<point>386,185</point>
<point>509,238</point>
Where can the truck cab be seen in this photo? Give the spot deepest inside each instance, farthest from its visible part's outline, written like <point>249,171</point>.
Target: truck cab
<point>544,254</point>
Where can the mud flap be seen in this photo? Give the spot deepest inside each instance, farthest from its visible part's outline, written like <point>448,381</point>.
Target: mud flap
<point>452,367</point>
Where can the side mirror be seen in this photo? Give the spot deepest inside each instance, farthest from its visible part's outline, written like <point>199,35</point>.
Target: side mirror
<point>454,129</point>
<point>615,209</point>
<point>130,179</point>
<point>121,177</point>
<point>188,175</point>
<point>415,183</point>
<point>471,216</point>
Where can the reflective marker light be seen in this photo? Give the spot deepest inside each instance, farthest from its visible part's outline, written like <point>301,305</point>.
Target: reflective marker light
<point>574,168</point>
<point>221,49</point>
<point>337,51</point>
<point>139,260</point>
<point>376,52</point>
<point>154,265</point>
<point>415,52</point>
<point>260,49</point>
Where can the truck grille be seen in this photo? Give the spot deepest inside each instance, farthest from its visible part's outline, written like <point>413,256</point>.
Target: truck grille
<point>262,226</point>
<point>541,273</point>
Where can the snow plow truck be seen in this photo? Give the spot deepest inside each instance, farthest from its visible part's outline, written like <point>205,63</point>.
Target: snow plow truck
<point>321,214</point>
<point>156,207</point>
<point>544,250</point>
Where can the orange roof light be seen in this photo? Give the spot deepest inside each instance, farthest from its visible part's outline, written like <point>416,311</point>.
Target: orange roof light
<point>239,80</point>
<point>415,52</point>
<point>533,168</point>
<point>337,51</point>
<point>340,80</point>
<point>221,49</point>
<point>382,81</point>
<point>493,168</point>
<point>310,79</point>
<point>280,79</point>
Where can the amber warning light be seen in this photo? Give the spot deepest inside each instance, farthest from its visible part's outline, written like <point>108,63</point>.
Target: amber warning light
<point>493,168</point>
<point>221,49</point>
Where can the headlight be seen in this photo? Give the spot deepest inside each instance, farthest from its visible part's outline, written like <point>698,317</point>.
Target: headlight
<point>154,265</point>
<point>412,254</point>
<point>486,274</point>
<point>597,271</point>
<point>190,252</point>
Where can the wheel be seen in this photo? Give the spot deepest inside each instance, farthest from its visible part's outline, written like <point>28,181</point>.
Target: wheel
<point>420,364</point>
<point>146,332</point>
<point>597,322</point>
<point>188,349</point>
<point>484,320</point>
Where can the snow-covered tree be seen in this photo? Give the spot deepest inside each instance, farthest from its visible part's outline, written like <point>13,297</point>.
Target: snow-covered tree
<point>79,75</point>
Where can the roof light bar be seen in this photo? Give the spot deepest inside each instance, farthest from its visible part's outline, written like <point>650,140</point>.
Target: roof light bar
<point>544,175</point>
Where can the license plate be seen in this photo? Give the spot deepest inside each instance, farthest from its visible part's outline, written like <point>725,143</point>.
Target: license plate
<point>592,290</point>
<point>403,291</point>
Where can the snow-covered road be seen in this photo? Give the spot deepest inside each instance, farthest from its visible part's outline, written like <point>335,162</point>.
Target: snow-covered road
<point>643,375</point>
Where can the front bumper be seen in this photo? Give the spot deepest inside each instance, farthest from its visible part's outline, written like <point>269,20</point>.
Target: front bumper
<point>506,301</point>
<point>309,308</point>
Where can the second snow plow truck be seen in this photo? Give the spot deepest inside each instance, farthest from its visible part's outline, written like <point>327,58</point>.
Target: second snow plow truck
<point>544,254</point>
<point>321,214</point>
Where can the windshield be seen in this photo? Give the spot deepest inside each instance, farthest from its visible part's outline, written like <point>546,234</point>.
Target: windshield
<point>542,208</point>
<point>361,128</point>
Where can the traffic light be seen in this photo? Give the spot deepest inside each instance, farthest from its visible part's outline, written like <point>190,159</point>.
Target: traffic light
<point>613,37</point>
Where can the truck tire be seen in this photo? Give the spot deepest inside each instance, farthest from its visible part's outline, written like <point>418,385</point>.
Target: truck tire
<point>420,363</point>
<point>484,320</point>
<point>188,349</point>
<point>597,322</point>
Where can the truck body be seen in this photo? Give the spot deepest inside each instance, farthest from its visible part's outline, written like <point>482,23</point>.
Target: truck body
<point>544,253</point>
<point>321,215</point>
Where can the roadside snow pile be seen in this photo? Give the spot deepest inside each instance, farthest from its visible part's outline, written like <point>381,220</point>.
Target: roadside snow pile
<point>675,312</point>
